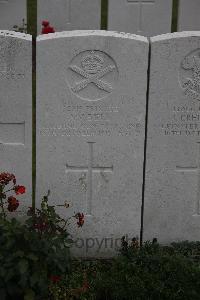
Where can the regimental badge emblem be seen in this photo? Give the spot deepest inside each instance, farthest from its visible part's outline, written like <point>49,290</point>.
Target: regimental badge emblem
<point>190,75</point>
<point>92,75</point>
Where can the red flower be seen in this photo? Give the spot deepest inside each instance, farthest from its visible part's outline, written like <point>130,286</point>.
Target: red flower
<point>47,28</point>
<point>80,218</point>
<point>13,203</point>
<point>55,278</point>
<point>5,178</point>
<point>19,189</point>
<point>45,23</point>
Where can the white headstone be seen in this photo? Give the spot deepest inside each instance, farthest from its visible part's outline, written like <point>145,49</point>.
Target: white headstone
<point>188,15</point>
<point>69,14</point>
<point>145,17</point>
<point>172,190</point>
<point>12,12</point>
<point>16,108</point>
<point>91,88</point>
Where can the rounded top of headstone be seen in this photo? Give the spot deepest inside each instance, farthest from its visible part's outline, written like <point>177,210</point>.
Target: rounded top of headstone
<point>15,34</point>
<point>175,35</point>
<point>103,33</point>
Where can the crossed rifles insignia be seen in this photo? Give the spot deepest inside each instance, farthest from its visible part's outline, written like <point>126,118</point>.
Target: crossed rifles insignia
<point>92,70</point>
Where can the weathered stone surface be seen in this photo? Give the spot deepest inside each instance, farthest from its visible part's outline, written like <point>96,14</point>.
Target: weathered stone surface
<point>188,15</point>
<point>16,109</point>
<point>91,90</point>
<point>172,192</point>
<point>144,17</point>
<point>70,14</point>
<point>12,12</point>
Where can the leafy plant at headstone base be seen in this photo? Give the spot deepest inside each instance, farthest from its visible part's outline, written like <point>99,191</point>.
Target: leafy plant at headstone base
<point>22,28</point>
<point>152,272</point>
<point>188,249</point>
<point>78,289</point>
<point>35,253</point>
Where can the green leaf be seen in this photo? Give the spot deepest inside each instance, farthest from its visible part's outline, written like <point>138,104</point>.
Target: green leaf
<point>29,295</point>
<point>19,253</point>
<point>32,257</point>
<point>34,279</point>
<point>23,266</point>
<point>2,294</point>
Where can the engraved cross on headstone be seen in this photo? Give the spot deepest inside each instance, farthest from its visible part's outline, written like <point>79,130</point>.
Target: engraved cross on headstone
<point>197,170</point>
<point>89,169</point>
<point>140,17</point>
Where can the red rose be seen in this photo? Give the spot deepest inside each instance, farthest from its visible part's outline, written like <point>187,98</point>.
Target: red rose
<point>55,278</point>
<point>80,223</point>
<point>5,178</point>
<point>45,23</point>
<point>80,218</point>
<point>47,28</point>
<point>13,204</point>
<point>19,189</point>
<point>12,200</point>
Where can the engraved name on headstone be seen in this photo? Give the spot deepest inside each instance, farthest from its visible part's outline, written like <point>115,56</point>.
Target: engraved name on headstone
<point>90,131</point>
<point>172,191</point>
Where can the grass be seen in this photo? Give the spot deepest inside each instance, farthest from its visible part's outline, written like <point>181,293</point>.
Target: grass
<point>153,272</point>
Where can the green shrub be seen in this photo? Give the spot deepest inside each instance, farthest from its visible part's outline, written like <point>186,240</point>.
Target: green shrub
<point>29,258</point>
<point>35,253</point>
<point>35,261</point>
<point>150,273</point>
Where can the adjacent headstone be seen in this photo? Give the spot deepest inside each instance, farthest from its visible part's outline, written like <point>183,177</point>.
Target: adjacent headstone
<point>144,17</point>
<point>12,13</point>
<point>91,94</point>
<point>172,190</point>
<point>188,15</point>
<point>69,14</point>
<point>16,109</point>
